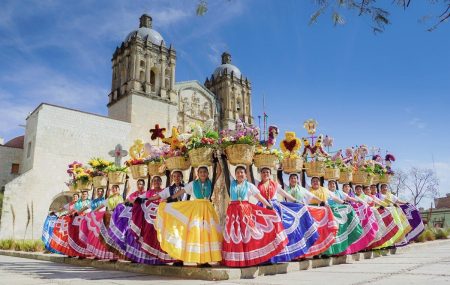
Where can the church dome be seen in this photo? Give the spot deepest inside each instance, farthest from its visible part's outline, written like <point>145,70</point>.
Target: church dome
<point>226,65</point>
<point>145,31</point>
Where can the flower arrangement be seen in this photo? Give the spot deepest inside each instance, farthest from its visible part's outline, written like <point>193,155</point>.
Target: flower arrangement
<point>242,134</point>
<point>115,168</point>
<point>275,152</point>
<point>203,136</point>
<point>155,153</point>
<point>71,172</point>
<point>98,166</point>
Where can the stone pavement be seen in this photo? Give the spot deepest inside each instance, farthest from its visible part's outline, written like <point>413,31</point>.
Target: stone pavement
<point>421,264</point>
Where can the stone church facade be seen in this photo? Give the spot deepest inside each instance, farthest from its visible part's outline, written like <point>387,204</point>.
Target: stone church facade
<point>144,92</point>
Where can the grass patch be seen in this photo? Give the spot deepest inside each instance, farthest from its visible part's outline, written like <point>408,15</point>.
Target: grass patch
<point>22,245</point>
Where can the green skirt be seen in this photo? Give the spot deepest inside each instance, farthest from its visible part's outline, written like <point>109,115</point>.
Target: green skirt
<point>350,229</point>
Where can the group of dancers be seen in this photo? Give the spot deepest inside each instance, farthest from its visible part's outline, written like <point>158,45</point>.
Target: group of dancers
<point>179,224</point>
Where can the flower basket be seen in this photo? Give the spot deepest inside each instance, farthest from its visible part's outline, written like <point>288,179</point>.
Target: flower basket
<point>332,173</point>
<point>139,171</point>
<point>72,187</point>
<point>386,178</point>
<point>201,156</point>
<point>345,177</point>
<point>99,181</point>
<point>177,162</point>
<point>116,177</point>
<point>265,160</point>
<point>292,165</point>
<point>376,179</point>
<point>361,177</point>
<point>155,168</point>
<point>315,168</point>
<point>240,154</point>
<point>84,185</point>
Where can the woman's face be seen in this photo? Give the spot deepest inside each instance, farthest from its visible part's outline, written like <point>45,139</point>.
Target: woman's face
<point>331,185</point>
<point>99,192</point>
<point>75,197</point>
<point>293,180</point>
<point>240,175</point>
<point>140,185</point>
<point>373,189</point>
<point>265,175</point>
<point>176,177</point>
<point>203,174</point>
<point>346,189</point>
<point>366,190</point>
<point>84,196</point>
<point>315,183</point>
<point>358,190</point>
<point>115,190</point>
<point>156,182</point>
<point>384,189</point>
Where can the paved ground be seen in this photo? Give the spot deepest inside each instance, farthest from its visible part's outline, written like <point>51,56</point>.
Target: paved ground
<point>420,265</point>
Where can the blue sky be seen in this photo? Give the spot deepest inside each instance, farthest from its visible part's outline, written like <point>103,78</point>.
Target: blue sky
<point>390,90</point>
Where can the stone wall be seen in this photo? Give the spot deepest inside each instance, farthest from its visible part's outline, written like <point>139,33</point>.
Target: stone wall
<point>8,156</point>
<point>60,137</point>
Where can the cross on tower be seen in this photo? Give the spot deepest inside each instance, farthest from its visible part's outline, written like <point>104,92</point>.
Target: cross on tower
<point>118,153</point>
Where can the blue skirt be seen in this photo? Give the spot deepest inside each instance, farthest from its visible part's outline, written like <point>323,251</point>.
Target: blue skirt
<point>47,232</point>
<point>299,227</point>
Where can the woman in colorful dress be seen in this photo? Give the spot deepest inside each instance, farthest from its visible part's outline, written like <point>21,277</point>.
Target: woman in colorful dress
<point>350,228</point>
<point>60,236</point>
<point>143,219</point>
<point>365,214</point>
<point>323,216</point>
<point>387,233</point>
<point>90,227</point>
<point>82,206</point>
<point>411,212</point>
<point>47,231</point>
<point>392,204</point>
<point>297,221</point>
<point>190,231</point>
<point>252,234</point>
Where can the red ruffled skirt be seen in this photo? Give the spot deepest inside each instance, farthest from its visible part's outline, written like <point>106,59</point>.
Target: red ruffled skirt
<point>60,236</point>
<point>90,231</point>
<point>252,235</point>
<point>327,228</point>
<point>390,229</point>
<point>74,241</point>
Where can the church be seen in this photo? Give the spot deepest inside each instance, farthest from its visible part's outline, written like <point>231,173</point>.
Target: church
<point>144,92</point>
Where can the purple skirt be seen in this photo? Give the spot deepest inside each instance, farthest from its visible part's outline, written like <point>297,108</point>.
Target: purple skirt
<point>415,221</point>
<point>119,236</point>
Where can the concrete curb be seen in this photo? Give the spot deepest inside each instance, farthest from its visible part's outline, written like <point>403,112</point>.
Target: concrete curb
<point>218,273</point>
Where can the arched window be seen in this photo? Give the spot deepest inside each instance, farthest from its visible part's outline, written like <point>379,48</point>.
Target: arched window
<point>152,79</point>
<point>167,83</point>
<point>238,105</point>
<point>142,76</point>
<point>142,63</point>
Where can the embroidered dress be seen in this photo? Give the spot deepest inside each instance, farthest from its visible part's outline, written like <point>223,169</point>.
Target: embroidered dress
<point>97,202</point>
<point>415,221</point>
<point>118,236</point>
<point>142,226</point>
<point>350,229</point>
<point>60,237</point>
<point>370,227</point>
<point>252,234</point>
<point>190,230</point>
<point>47,232</point>
<point>74,241</point>
<point>298,224</point>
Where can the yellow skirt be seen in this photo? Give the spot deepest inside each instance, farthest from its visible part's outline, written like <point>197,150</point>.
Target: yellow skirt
<point>403,226</point>
<point>190,231</point>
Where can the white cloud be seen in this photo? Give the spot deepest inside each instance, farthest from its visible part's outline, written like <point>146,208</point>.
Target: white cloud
<point>418,123</point>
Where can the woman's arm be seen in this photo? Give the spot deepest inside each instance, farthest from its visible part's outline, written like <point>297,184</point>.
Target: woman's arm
<point>263,200</point>
<point>285,194</point>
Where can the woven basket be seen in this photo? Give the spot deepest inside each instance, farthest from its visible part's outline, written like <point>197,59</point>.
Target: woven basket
<point>386,178</point>
<point>116,177</point>
<point>268,160</point>
<point>376,179</point>
<point>201,156</point>
<point>345,177</point>
<point>292,165</point>
<point>361,177</point>
<point>155,168</point>
<point>84,185</point>
<point>177,162</point>
<point>315,168</point>
<point>99,182</point>
<point>332,173</point>
<point>240,154</point>
<point>72,187</point>
<point>139,171</point>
